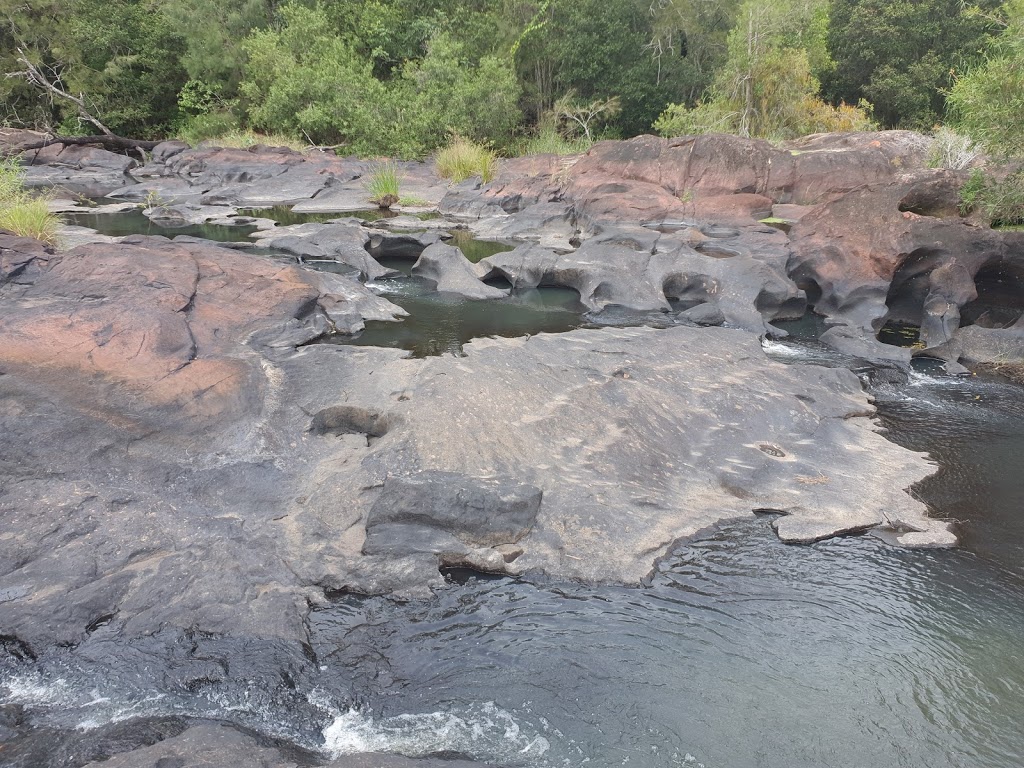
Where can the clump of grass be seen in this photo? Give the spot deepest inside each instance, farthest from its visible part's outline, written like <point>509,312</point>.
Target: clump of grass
<point>549,141</point>
<point>383,184</point>
<point>463,158</point>
<point>22,213</point>
<point>244,139</point>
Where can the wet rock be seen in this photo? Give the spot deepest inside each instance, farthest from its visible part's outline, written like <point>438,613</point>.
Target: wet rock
<point>217,746</point>
<point>454,273</point>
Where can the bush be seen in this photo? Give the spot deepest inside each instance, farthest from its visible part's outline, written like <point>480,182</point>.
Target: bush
<point>999,200</point>
<point>207,126</point>
<point>952,150</point>
<point>20,212</point>
<point>303,79</point>
<point>462,159</point>
<point>549,141</point>
<point>706,117</point>
<point>987,103</point>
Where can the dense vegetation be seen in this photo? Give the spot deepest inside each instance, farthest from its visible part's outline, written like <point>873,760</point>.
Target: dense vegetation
<point>401,77</point>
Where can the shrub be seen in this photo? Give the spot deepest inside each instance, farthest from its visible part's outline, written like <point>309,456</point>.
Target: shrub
<point>706,117</point>
<point>207,126</point>
<point>549,141</point>
<point>243,139</point>
<point>999,200</point>
<point>463,158</point>
<point>383,184</point>
<point>952,150</point>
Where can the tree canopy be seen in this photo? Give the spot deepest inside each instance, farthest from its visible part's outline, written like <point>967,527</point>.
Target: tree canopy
<point>401,76</point>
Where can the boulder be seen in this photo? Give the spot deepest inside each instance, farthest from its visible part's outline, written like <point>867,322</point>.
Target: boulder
<point>454,273</point>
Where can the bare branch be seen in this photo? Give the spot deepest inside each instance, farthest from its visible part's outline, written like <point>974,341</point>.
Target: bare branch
<point>35,76</point>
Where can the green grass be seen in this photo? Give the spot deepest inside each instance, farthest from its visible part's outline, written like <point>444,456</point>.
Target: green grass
<point>462,159</point>
<point>414,202</point>
<point>383,184</point>
<point>22,213</point>
<point>551,142</point>
<point>244,139</point>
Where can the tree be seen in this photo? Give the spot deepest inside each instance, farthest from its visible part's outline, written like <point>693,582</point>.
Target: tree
<point>987,102</point>
<point>901,55</point>
<point>767,87</point>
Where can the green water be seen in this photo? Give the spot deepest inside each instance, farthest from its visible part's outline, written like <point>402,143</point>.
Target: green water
<point>136,223</point>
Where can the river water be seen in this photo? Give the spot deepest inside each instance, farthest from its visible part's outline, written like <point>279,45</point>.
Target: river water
<point>740,652</point>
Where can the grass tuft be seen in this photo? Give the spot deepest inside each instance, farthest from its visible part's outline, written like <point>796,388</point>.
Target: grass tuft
<point>551,142</point>
<point>383,184</point>
<point>22,213</point>
<point>462,159</point>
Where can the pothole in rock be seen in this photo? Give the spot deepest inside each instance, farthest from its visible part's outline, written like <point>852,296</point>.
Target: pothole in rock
<point>440,323</point>
<point>1000,301</point>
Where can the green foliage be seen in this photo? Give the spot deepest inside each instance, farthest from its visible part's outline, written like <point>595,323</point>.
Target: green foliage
<point>22,213</point>
<point>987,102</point>
<point>1000,199</point>
<point>213,52</point>
<point>549,141</point>
<point>902,55</point>
<point>767,88</point>
<point>462,159</point>
<point>206,126</point>
<point>383,184</point>
<point>304,80</point>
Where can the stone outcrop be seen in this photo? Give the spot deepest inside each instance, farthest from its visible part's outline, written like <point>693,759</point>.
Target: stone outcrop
<point>185,473</point>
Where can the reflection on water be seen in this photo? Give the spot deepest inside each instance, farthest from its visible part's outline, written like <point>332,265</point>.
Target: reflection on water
<point>136,223</point>
<point>974,427</point>
<point>440,323</point>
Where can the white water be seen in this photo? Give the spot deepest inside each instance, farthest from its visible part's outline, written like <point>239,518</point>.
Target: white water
<point>485,730</point>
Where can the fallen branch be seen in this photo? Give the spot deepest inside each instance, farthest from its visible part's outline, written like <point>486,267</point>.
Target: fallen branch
<point>106,141</point>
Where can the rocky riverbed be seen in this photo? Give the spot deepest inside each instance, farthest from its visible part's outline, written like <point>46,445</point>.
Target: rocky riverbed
<point>187,473</point>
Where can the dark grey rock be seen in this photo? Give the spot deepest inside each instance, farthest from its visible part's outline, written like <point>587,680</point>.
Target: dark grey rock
<point>482,512</point>
<point>454,273</point>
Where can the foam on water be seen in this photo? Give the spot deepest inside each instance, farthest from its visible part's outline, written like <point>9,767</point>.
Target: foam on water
<point>484,732</point>
<point>781,349</point>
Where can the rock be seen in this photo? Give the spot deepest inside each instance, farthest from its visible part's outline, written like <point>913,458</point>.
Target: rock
<point>76,170</point>
<point>165,151</point>
<point>346,243</point>
<point>641,270</point>
<point>852,342</point>
<point>480,512</point>
<point>217,746</point>
<point>704,314</point>
<point>454,273</point>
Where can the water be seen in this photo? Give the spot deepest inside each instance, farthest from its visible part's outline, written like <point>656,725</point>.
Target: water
<point>285,216</point>
<point>441,323</point>
<point>136,223</point>
<point>742,652</point>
